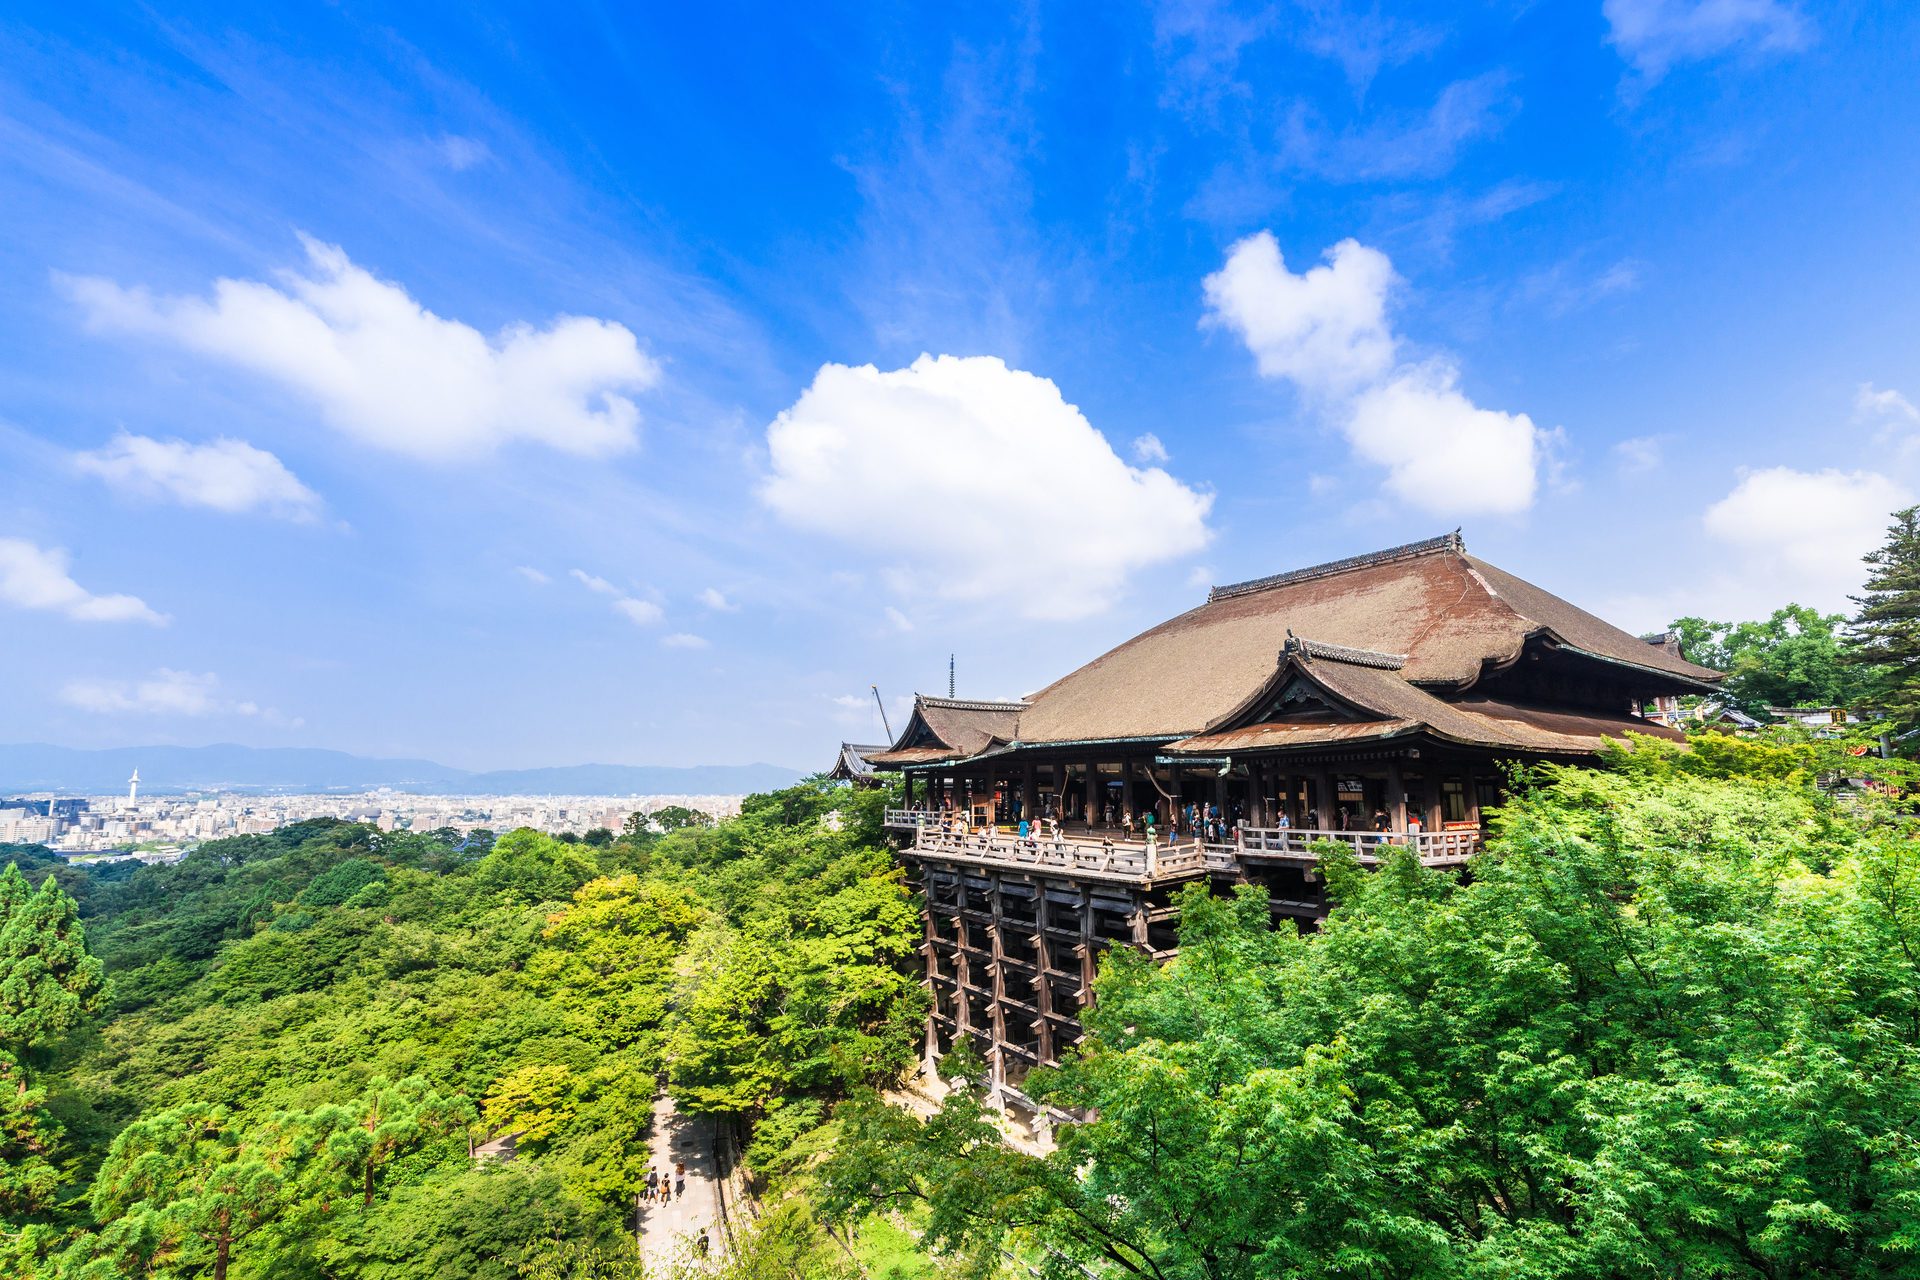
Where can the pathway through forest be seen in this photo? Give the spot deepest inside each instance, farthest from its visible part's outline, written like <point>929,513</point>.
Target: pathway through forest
<point>671,1232</point>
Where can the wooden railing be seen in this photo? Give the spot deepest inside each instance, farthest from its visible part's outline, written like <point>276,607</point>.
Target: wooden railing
<point>1128,861</point>
<point>1139,861</point>
<point>1435,848</point>
<point>912,819</point>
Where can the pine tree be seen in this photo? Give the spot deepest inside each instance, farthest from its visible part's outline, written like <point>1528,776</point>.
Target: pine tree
<point>1886,631</point>
<point>49,981</point>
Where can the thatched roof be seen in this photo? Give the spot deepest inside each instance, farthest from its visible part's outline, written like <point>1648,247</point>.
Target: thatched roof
<point>1440,616</point>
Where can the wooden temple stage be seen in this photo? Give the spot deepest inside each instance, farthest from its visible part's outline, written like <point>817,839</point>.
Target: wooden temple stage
<point>1377,701</point>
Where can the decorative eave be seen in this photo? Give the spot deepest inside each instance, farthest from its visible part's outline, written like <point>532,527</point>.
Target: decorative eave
<point>1343,653</point>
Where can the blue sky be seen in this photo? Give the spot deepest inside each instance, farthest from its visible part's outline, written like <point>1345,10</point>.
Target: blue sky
<point>540,384</point>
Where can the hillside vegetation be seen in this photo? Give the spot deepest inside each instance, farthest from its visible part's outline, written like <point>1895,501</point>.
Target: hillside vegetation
<point>288,1041</point>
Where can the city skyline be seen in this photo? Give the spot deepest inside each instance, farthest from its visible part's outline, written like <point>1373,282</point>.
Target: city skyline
<point>528,391</point>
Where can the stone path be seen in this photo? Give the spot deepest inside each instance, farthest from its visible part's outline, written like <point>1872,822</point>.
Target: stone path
<point>669,1232</point>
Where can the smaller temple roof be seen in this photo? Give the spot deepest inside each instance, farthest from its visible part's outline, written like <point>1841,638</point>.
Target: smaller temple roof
<point>1379,702</point>
<point>950,728</point>
<point>854,763</point>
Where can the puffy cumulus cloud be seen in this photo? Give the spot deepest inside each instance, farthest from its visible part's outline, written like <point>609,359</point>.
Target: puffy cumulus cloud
<point>1442,452</point>
<point>225,475</point>
<point>166,692</point>
<point>1009,492</point>
<point>1803,533</point>
<point>386,371</point>
<point>1325,328</point>
<point>1654,35</point>
<point>36,577</point>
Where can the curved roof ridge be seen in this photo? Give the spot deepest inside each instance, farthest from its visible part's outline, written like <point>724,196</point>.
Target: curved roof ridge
<point>971,704</point>
<point>1345,653</point>
<point>1406,551</point>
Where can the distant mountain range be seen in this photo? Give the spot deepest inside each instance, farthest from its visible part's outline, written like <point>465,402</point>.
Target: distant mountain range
<point>36,766</point>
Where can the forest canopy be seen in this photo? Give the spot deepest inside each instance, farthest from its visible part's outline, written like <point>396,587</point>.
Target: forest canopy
<point>271,1059</point>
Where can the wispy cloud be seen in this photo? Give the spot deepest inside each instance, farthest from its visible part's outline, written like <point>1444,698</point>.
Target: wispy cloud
<point>1656,35</point>
<point>532,575</point>
<point>683,640</point>
<point>165,693</point>
<point>1871,402</point>
<point>1401,145</point>
<point>35,577</point>
<point>223,475</point>
<point>716,600</point>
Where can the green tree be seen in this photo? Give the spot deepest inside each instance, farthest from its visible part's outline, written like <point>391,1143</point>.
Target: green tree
<point>1793,658</point>
<point>1668,1028</point>
<point>49,981</point>
<point>181,1188</point>
<point>1884,636</point>
<point>351,1144</point>
<point>29,1143</point>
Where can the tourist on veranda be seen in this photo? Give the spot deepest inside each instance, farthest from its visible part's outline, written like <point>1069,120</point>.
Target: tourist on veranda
<point>1380,820</point>
<point>1126,823</point>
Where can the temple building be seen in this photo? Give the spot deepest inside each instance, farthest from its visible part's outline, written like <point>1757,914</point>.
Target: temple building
<point>1378,700</point>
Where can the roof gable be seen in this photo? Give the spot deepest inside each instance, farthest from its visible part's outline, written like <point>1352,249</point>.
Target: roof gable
<point>1445,616</point>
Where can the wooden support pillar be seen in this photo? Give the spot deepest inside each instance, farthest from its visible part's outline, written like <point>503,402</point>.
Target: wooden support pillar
<point>997,1011</point>
<point>1093,792</point>
<point>1029,794</point>
<point>1324,800</point>
<point>1473,793</point>
<point>1220,797</point>
<point>1396,797</point>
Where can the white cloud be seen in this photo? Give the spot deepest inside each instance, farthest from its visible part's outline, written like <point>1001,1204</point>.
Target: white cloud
<point>1401,145</point>
<point>1640,454</point>
<point>683,640</point>
<point>35,577</point>
<point>460,154</point>
<point>898,620</point>
<point>1654,35</point>
<point>1326,330</point>
<point>1801,534</point>
<point>225,475</point>
<point>593,583</point>
<point>532,575</point>
<point>1008,492</point>
<point>641,613</point>
<point>1148,449</point>
<point>386,371</point>
<point>1442,452</point>
<point>166,692</point>
<point>716,600</point>
<point>1871,402</point>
